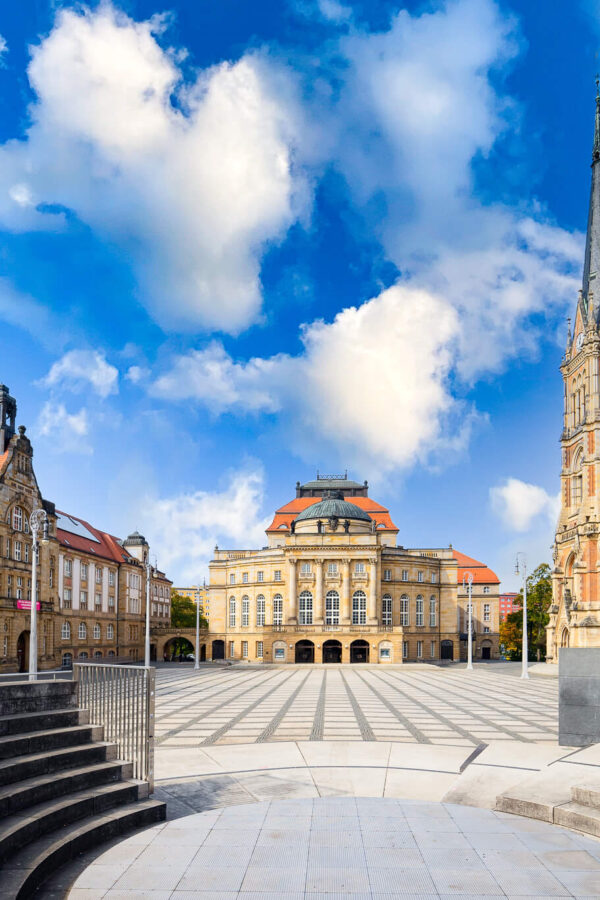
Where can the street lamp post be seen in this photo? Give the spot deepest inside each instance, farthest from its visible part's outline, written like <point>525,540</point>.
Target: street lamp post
<point>525,650</point>
<point>38,520</point>
<point>468,578</point>
<point>147,642</point>
<point>197,653</point>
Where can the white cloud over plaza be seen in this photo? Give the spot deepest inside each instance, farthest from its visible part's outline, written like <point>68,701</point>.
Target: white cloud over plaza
<point>80,370</point>
<point>519,504</point>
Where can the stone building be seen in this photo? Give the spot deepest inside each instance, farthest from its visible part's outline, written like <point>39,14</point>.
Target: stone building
<point>575,610</point>
<point>332,585</point>
<point>91,586</point>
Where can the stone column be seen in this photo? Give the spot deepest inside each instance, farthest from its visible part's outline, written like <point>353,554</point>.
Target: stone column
<point>318,607</point>
<point>372,595</point>
<point>345,610</point>
<point>290,612</point>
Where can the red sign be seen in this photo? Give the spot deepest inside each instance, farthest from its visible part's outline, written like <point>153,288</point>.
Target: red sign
<point>26,604</point>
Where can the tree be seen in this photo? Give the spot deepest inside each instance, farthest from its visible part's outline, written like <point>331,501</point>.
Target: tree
<point>539,598</point>
<point>183,612</point>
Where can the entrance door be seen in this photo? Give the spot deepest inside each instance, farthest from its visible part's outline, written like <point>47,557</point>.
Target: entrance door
<point>218,649</point>
<point>203,653</point>
<point>359,652</point>
<point>23,651</point>
<point>485,653</point>
<point>447,650</point>
<point>332,652</point>
<point>305,652</point>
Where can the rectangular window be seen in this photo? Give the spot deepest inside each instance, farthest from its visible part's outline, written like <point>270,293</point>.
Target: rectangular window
<point>277,575</point>
<point>404,574</point>
<point>67,598</point>
<point>232,578</point>
<point>432,612</point>
<point>18,548</point>
<point>432,649</point>
<point>486,612</point>
<point>244,578</point>
<point>232,649</point>
<point>245,611</point>
<point>384,653</point>
<point>486,589</point>
<point>359,608</point>
<point>332,568</point>
<point>111,578</point>
<point>84,571</point>
<point>279,653</point>
<point>9,586</point>
<point>404,649</point>
<point>8,548</point>
<point>98,601</point>
<point>26,552</point>
<point>419,649</point>
<point>359,568</point>
<point>68,567</point>
<point>260,611</point>
<point>305,608</point>
<point>260,576</point>
<point>332,608</point>
<point>98,575</point>
<point>232,612</point>
<point>419,576</point>
<point>419,617</point>
<point>305,568</point>
<point>577,489</point>
<point>433,577</point>
<point>51,577</point>
<point>83,599</point>
<point>387,574</point>
<point>277,610</point>
<point>386,610</point>
<point>486,629</point>
<point>111,601</point>
<point>259,649</point>
<point>404,611</point>
<point>244,649</point>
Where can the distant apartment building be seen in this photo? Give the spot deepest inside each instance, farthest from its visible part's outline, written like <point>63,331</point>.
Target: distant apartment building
<point>199,594</point>
<point>506,605</point>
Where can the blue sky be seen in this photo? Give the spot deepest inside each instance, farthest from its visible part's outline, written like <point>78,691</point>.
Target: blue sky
<point>243,242</point>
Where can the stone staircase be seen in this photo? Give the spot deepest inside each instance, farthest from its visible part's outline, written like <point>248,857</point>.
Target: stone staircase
<point>554,800</point>
<point>62,789</point>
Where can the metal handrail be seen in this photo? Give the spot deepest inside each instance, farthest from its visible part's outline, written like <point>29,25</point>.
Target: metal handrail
<point>121,698</point>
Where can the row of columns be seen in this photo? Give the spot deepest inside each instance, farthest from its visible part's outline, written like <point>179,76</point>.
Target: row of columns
<point>290,615</point>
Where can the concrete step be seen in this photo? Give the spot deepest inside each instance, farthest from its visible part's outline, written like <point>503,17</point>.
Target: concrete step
<point>40,721</point>
<point>21,767</point>
<point>586,794</point>
<point>14,745</point>
<point>27,869</point>
<point>32,823</point>
<point>578,816</point>
<point>43,788</point>
<point>36,696</point>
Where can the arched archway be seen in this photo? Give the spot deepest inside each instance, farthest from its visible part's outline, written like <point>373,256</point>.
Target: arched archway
<point>332,652</point>
<point>564,637</point>
<point>177,648</point>
<point>569,565</point>
<point>305,652</point>
<point>218,649</point>
<point>359,651</point>
<point>23,651</point>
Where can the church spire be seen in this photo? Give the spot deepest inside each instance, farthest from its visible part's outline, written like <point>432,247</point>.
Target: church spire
<point>591,265</point>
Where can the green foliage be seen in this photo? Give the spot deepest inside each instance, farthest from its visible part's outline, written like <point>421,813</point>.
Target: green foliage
<point>183,612</point>
<point>539,598</point>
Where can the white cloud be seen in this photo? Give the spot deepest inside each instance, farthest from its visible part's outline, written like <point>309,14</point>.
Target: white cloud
<point>79,369</point>
<point>518,504</point>
<point>67,431</point>
<point>3,49</point>
<point>191,180</point>
<point>186,527</point>
<point>24,312</point>
<point>136,374</point>
<point>371,387</point>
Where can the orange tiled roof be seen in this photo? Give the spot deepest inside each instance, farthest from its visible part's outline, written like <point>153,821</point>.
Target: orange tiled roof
<point>481,573</point>
<point>106,545</point>
<point>288,512</point>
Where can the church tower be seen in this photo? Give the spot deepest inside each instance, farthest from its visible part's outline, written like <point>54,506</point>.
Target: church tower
<point>575,610</point>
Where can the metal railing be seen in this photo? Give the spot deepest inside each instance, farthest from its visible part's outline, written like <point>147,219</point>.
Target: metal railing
<point>121,698</point>
<point>42,675</point>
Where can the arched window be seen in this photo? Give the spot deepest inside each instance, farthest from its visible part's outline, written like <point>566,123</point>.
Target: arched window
<point>305,608</point>
<point>97,654</point>
<point>359,608</point>
<point>404,610</point>
<point>245,610</point>
<point>260,610</point>
<point>97,632</point>
<point>83,654</point>
<point>65,631</point>
<point>432,612</point>
<point>111,652</point>
<point>386,610</point>
<point>82,631</point>
<point>17,518</point>
<point>110,632</point>
<point>277,609</point>
<point>232,612</point>
<point>419,620</point>
<point>67,660</point>
<point>332,608</point>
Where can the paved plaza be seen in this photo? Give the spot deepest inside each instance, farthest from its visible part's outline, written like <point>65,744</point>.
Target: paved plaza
<point>329,848</point>
<point>427,704</point>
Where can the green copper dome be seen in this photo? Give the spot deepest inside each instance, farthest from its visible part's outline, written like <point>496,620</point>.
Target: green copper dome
<point>333,506</point>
